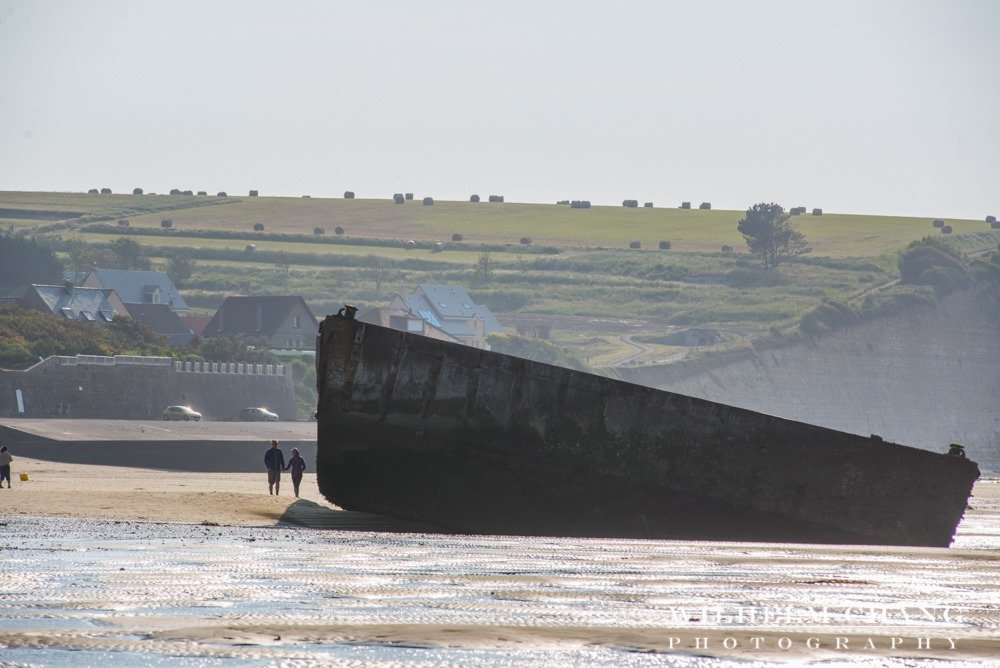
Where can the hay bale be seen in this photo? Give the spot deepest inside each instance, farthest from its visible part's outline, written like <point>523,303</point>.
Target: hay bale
<point>991,219</point>
<point>635,245</point>
<point>685,205</point>
<point>93,191</point>
<point>250,248</point>
<point>123,222</point>
<point>580,204</point>
<point>188,192</point>
<point>348,194</point>
<point>136,191</point>
<point>411,243</point>
<point>456,237</point>
<point>496,198</point>
<point>202,192</point>
<point>474,198</point>
<point>398,198</point>
<point>664,245</point>
<point>409,195</point>
<point>221,193</point>
<point>307,197</point>
<point>817,212</point>
<point>938,222</point>
<point>630,203</point>
<point>705,205</point>
<point>995,225</point>
<point>105,191</point>
<point>319,230</point>
<point>647,205</point>
<point>258,227</point>
<point>525,241</point>
<point>175,191</point>
<point>253,193</point>
<point>946,229</point>
<point>563,201</point>
<point>438,247</point>
<point>339,231</point>
<point>727,249</point>
<point>428,201</point>
<point>166,223</point>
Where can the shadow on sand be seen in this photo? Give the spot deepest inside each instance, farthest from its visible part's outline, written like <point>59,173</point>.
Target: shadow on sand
<point>315,516</point>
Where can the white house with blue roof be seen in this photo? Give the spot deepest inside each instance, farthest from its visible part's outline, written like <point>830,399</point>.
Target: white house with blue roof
<point>450,308</point>
<point>138,287</point>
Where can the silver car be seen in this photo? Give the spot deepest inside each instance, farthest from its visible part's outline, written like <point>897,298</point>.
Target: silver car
<point>181,413</point>
<point>257,414</point>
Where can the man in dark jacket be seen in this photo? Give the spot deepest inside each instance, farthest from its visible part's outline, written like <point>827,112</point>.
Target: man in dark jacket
<point>274,460</point>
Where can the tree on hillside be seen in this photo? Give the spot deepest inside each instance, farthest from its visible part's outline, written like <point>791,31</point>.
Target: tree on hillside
<point>180,266</point>
<point>484,269</point>
<point>376,271</point>
<point>25,261</point>
<point>769,234</point>
<point>129,255</point>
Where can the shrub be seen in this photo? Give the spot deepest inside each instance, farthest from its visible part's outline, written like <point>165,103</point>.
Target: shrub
<point>258,227</point>
<point>525,241</point>
<point>339,231</point>
<point>166,223</point>
<point>726,248</point>
<point>630,203</point>
<point>123,222</point>
<point>580,204</point>
<point>685,205</point>
<point>496,198</point>
<point>398,198</point>
<point>456,237</point>
<point>188,192</point>
<point>991,219</point>
<point>409,195</point>
<point>705,205</point>
<point>933,261</point>
<point>319,230</point>
<point>348,194</point>
<point>648,205</point>
<point>136,191</point>
<point>428,201</point>
<point>817,212</point>
<point>221,193</point>
<point>634,245</point>
<point>946,229</point>
<point>474,198</point>
<point>93,191</point>
<point>938,223</point>
<point>411,243</point>
<point>201,193</point>
<point>664,245</point>
<point>437,248</point>
<point>105,191</point>
<point>253,193</point>
<point>250,248</point>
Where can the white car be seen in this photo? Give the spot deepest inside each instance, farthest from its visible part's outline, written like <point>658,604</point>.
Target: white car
<point>181,413</point>
<point>257,414</point>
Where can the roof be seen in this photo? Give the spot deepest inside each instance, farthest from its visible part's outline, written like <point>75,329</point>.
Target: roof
<point>238,315</point>
<point>453,301</point>
<point>76,303</point>
<point>196,323</point>
<point>133,286</point>
<point>163,321</point>
<point>387,316</point>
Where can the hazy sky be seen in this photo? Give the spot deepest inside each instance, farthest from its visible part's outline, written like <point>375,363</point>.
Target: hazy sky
<point>855,106</point>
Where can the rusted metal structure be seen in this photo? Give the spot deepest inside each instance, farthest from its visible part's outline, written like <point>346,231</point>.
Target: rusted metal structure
<point>478,442</point>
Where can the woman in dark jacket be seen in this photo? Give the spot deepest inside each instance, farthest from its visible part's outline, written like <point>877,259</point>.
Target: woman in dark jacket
<point>297,465</point>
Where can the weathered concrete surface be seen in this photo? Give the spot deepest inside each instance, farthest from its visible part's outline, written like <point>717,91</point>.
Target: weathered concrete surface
<point>925,378</point>
<point>481,442</point>
<point>135,391</point>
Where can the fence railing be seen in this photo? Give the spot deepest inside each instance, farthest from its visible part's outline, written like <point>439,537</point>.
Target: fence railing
<point>231,367</point>
<point>117,360</point>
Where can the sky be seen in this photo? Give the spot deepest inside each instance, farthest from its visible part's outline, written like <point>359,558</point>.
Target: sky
<point>875,106</point>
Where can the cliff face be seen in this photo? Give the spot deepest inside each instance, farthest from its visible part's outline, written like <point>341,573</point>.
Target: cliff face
<point>926,378</point>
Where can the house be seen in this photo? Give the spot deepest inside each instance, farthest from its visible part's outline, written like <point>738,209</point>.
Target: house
<point>163,321</point>
<point>403,321</point>
<point>451,309</point>
<point>284,321</point>
<point>146,287</point>
<point>196,323</point>
<point>74,302</point>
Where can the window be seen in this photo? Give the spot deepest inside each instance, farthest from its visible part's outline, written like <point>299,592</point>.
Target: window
<point>466,305</point>
<point>88,315</point>
<point>67,311</point>
<point>296,323</point>
<point>442,304</point>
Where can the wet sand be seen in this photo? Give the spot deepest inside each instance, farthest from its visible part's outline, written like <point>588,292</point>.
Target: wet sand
<point>134,567</point>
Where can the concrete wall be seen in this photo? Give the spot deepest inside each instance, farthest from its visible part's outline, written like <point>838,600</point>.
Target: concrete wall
<point>925,378</point>
<point>140,388</point>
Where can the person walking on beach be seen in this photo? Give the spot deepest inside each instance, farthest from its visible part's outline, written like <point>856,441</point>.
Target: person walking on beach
<point>5,460</point>
<point>274,460</point>
<point>297,465</point>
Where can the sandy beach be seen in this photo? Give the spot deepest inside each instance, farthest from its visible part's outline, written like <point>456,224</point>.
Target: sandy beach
<point>137,566</point>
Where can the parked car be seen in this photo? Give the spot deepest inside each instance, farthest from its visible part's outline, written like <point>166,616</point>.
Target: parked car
<point>257,414</point>
<point>181,413</point>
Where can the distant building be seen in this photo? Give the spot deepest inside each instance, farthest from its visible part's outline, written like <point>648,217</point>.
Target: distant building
<point>283,321</point>
<point>451,309</point>
<point>74,302</point>
<point>402,320</point>
<point>145,287</point>
<point>196,323</point>
<point>163,321</point>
